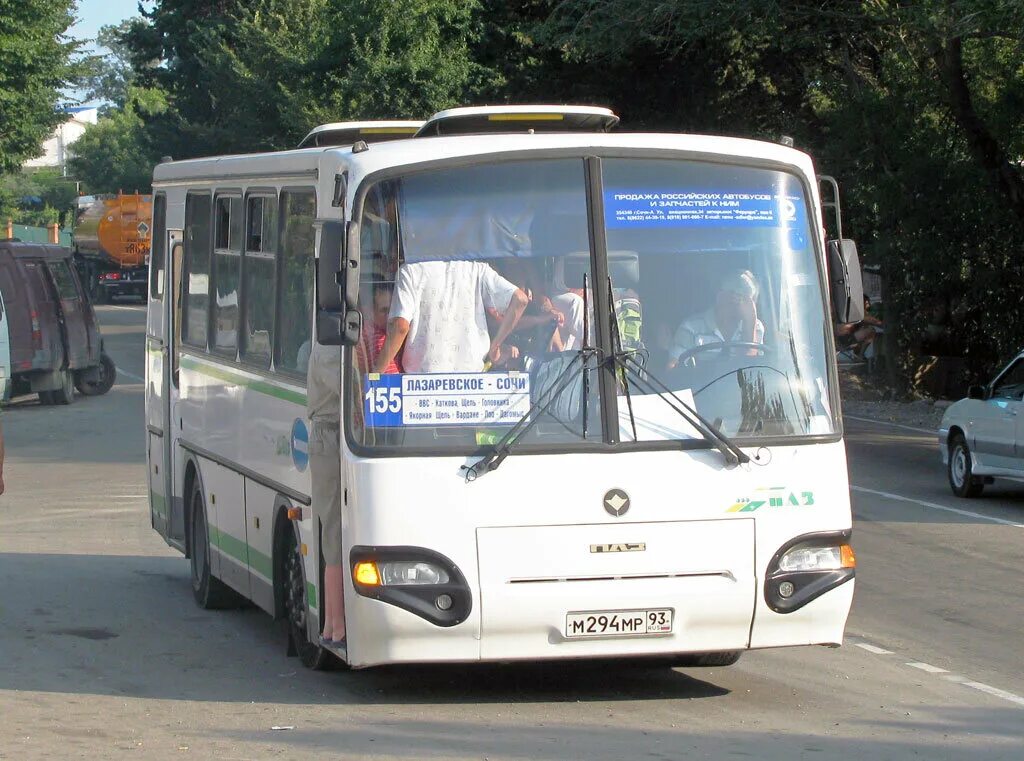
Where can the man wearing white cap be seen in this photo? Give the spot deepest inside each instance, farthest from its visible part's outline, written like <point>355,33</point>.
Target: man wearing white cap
<point>731,319</point>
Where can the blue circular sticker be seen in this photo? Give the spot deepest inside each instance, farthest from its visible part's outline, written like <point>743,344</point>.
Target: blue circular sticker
<point>300,445</point>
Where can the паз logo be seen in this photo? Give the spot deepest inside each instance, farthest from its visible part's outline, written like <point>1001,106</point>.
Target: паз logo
<point>616,502</point>
<point>774,496</point>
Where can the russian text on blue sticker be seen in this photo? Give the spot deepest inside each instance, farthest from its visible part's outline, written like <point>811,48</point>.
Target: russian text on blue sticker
<point>624,207</point>
<point>430,399</point>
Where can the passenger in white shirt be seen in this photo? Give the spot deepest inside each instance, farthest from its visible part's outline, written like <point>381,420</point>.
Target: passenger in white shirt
<point>732,318</point>
<point>438,315</point>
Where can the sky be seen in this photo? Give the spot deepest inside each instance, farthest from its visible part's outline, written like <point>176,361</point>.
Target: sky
<point>93,14</point>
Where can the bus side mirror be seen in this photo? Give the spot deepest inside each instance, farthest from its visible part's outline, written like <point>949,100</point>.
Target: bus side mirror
<point>845,281</point>
<point>337,323</point>
<point>329,272</point>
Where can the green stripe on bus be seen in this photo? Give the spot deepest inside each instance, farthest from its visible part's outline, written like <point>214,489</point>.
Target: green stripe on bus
<point>260,386</point>
<point>159,504</point>
<point>249,556</point>
<point>311,594</point>
<point>244,553</point>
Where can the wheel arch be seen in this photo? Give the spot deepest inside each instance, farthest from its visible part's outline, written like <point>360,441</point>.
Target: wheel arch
<point>192,475</point>
<point>282,524</point>
<point>954,431</point>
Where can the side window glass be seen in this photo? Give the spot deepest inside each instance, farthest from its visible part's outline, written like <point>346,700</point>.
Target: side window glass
<point>197,269</point>
<point>1011,384</point>
<point>157,246</point>
<point>258,275</point>
<point>65,283</point>
<point>227,264</point>
<point>295,289</point>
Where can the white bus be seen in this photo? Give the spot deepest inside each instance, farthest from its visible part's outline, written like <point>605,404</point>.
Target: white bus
<point>653,468</point>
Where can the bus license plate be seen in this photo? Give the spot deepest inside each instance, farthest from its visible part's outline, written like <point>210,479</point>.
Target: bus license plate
<point>618,623</point>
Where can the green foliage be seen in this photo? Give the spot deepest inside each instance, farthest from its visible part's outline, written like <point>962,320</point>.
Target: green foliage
<point>915,107</point>
<point>109,76</point>
<point>37,198</point>
<point>36,62</point>
<point>118,152</point>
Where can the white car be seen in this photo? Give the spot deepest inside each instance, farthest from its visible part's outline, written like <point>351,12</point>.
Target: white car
<point>982,436</point>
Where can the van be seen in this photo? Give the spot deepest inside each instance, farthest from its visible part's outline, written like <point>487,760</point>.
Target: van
<point>55,342</point>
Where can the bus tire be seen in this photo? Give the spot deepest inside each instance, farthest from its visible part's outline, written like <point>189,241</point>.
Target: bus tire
<point>210,592</point>
<point>297,619</point>
<point>46,398</point>
<point>707,660</point>
<point>962,480</point>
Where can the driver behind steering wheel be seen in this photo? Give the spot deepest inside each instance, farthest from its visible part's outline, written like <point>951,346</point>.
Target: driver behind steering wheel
<point>731,319</point>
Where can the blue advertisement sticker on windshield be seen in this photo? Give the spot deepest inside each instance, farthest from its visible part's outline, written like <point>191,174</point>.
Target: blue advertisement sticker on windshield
<point>469,399</point>
<point>624,208</point>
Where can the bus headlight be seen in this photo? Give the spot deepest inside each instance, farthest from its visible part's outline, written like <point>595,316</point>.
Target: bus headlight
<point>415,579</point>
<point>818,559</point>
<point>397,572</point>
<point>807,567</point>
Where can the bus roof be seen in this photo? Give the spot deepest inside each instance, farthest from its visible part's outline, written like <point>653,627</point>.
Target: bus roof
<point>346,133</point>
<point>539,118</point>
<point>308,162</point>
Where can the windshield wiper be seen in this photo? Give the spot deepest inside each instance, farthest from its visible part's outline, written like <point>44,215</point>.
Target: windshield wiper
<point>626,360</point>
<point>545,399</point>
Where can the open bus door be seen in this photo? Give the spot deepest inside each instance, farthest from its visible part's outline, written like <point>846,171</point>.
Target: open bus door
<point>166,508</point>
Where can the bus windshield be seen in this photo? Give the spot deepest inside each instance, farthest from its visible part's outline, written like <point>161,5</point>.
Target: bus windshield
<point>480,306</point>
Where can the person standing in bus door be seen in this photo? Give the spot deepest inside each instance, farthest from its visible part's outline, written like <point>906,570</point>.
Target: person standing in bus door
<point>438,317</point>
<point>323,406</point>
<point>732,318</point>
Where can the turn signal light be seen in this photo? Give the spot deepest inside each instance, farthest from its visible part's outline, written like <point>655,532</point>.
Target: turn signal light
<point>366,573</point>
<point>846,557</point>
<point>295,513</point>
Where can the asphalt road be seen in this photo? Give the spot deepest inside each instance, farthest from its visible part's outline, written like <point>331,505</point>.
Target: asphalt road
<point>104,655</point>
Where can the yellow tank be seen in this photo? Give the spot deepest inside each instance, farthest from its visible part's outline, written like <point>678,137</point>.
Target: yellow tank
<point>116,229</point>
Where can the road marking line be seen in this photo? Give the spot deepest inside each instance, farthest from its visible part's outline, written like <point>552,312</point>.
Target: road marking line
<point>133,376</point>
<point>928,667</point>
<point>929,431</point>
<point>873,649</point>
<point>995,692</point>
<point>935,506</point>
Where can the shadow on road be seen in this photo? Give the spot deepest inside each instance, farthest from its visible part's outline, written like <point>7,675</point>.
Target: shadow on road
<point>127,625</point>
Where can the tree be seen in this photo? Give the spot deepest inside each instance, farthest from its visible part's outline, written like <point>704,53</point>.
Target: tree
<point>110,75</point>
<point>37,61</point>
<point>257,75</point>
<point>118,153</point>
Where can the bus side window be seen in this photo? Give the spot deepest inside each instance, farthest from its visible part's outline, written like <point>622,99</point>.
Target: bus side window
<point>295,285</point>
<point>227,262</point>
<point>158,243</point>
<point>196,270</point>
<point>258,280</point>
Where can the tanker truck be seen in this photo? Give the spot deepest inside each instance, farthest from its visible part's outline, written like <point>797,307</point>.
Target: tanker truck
<point>111,241</point>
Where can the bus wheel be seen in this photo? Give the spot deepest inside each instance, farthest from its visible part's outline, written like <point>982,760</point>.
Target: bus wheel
<point>210,592</point>
<point>312,655</point>
<point>704,660</point>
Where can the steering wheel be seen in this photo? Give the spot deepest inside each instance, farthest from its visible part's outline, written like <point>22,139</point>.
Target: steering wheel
<point>761,349</point>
